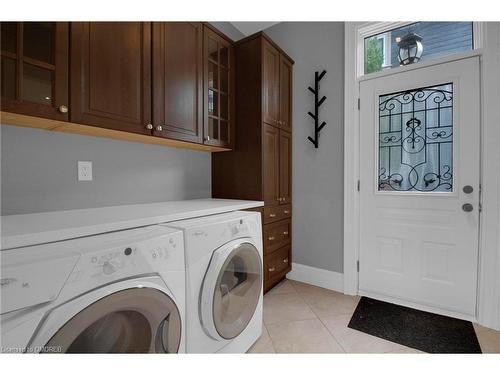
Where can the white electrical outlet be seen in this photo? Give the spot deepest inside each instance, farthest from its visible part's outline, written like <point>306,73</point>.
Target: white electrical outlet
<point>84,171</point>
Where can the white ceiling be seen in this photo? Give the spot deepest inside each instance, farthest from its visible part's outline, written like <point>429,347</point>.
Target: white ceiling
<point>248,28</point>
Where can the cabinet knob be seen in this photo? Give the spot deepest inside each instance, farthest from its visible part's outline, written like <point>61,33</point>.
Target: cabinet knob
<point>285,233</point>
<point>207,138</point>
<point>271,238</point>
<point>63,109</point>
<point>272,269</point>
<point>285,260</point>
<point>286,212</point>
<point>149,126</point>
<point>272,215</point>
<point>159,128</point>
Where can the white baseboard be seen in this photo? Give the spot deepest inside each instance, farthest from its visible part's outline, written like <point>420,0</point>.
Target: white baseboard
<point>317,276</point>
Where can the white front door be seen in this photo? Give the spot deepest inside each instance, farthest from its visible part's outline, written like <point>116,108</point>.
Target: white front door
<point>419,191</point>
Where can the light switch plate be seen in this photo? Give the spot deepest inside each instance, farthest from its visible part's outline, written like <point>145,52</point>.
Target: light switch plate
<point>84,171</point>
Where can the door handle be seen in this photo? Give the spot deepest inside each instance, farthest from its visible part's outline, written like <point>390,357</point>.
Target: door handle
<point>467,207</point>
<point>467,189</point>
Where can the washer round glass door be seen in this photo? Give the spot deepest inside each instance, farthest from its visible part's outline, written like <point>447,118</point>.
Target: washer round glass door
<point>229,300</point>
<point>136,320</point>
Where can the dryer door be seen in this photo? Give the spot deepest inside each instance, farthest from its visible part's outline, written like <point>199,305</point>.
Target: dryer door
<point>135,320</point>
<point>231,289</point>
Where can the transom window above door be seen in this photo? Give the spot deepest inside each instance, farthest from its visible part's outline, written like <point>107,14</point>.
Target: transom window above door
<point>381,47</point>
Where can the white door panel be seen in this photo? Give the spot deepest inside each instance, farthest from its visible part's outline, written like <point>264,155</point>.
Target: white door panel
<point>419,147</point>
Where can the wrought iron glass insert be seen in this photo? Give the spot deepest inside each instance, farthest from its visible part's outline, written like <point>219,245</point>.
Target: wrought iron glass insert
<point>416,140</point>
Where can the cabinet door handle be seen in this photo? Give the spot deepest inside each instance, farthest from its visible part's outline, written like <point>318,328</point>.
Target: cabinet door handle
<point>271,238</point>
<point>63,109</point>
<point>149,126</point>
<point>272,269</point>
<point>159,128</point>
<point>272,215</point>
<point>285,260</point>
<point>285,233</point>
<point>286,212</point>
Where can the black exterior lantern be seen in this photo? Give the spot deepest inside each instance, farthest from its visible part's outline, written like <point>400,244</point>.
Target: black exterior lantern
<point>410,49</point>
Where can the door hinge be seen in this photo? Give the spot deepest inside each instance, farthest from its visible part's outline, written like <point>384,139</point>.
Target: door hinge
<point>359,185</point>
<point>359,104</point>
<point>357,265</point>
<point>480,207</point>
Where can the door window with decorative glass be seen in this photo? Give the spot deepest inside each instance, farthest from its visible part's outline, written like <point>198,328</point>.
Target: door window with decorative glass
<point>415,145</point>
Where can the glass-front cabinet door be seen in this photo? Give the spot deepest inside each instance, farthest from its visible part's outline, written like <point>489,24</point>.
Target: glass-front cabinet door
<point>219,92</point>
<point>34,68</point>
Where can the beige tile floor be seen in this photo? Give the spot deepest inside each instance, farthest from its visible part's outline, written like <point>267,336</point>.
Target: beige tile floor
<point>301,318</point>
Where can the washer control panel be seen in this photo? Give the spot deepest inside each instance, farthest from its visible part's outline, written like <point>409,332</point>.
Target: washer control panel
<point>150,251</point>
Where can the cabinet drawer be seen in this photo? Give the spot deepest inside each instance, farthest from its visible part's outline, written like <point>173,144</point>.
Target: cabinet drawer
<point>286,211</point>
<point>277,235</point>
<point>278,263</point>
<point>276,213</point>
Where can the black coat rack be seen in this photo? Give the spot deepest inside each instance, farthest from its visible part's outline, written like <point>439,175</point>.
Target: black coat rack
<point>317,103</point>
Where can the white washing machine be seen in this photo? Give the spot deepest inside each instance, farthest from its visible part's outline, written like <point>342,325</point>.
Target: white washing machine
<point>110,293</point>
<point>223,281</point>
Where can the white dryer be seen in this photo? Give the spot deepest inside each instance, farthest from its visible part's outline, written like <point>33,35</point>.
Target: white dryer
<point>223,281</point>
<point>110,293</point>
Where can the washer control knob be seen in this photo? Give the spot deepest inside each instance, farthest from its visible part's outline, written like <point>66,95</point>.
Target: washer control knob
<point>108,268</point>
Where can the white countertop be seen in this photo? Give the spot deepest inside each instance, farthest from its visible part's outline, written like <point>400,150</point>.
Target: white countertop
<point>43,227</point>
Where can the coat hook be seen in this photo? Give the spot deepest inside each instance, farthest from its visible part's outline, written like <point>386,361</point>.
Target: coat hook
<point>317,103</point>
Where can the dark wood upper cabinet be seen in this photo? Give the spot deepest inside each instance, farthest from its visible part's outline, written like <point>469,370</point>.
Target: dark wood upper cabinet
<point>271,164</point>
<point>285,170</point>
<point>111,75</point>
<point>178,80</point>
<point>270,83</point>
<point>169,83</point>
<point>218,90</point>
<point>285,121</point>
<point>34,68</point>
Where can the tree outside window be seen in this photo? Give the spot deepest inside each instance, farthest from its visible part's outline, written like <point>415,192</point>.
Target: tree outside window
<point>374,55</point>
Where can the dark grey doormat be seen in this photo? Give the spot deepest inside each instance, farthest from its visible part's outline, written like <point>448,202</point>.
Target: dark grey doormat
<point>416,329</point>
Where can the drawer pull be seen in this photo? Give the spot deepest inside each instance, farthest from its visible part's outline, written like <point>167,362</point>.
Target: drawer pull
<point>272,269</point>
<point>271,238</point>
<point>272,215</point>
<point>286,212</point>
<point>285,233</point>
<point>285,260</point>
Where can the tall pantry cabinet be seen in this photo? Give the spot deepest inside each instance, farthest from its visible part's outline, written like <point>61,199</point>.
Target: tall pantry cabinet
<point>259,167</point>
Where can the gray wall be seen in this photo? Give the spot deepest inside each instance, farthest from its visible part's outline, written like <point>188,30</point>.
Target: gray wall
<point>228,29</point>
<point>317,173</point>
<point>39,172</point>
